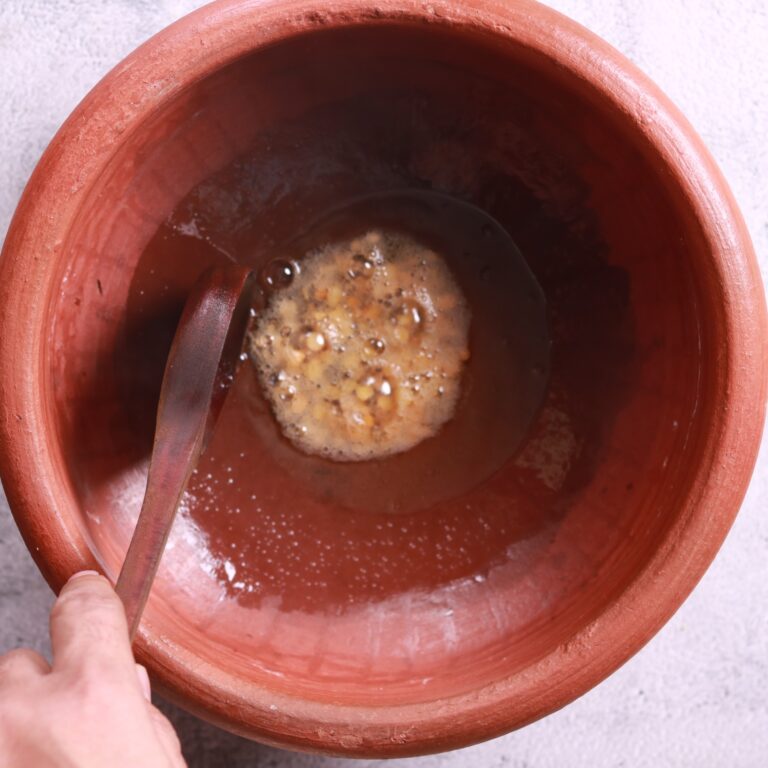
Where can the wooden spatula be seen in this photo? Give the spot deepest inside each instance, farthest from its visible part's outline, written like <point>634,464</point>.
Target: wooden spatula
<point>200,367</point>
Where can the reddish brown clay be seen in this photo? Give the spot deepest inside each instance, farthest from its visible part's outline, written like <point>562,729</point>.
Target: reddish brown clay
<point>279,612</point>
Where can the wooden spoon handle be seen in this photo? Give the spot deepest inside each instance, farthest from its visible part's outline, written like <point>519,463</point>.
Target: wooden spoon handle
<point>200,367</point>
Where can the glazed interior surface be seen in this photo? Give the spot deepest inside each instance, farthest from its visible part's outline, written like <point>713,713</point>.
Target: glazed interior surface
<point>265,575</point>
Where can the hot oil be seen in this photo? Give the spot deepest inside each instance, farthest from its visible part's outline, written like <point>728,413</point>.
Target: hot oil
<point>308,529</point>
<point>502,382</point>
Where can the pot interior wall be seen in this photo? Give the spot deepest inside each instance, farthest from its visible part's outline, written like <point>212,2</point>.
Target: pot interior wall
<point>333,605</point>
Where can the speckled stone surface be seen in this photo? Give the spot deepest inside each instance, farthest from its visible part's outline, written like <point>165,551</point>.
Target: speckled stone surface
<point>697,695</point>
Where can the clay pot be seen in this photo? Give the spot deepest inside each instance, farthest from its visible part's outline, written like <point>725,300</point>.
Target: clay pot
<point>529,590</point>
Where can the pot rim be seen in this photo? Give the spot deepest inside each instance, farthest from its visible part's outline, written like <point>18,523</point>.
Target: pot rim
<point>34,475</point>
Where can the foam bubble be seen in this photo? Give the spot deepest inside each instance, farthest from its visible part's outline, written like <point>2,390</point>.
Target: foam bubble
<point>361,353</point>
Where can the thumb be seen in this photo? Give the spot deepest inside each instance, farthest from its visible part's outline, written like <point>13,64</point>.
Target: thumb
<point>88,626</point>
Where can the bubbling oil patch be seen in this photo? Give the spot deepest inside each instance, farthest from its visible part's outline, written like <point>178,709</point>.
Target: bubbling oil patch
<point>361,350</point>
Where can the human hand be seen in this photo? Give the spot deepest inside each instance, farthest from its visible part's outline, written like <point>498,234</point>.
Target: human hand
<point>91,707</point>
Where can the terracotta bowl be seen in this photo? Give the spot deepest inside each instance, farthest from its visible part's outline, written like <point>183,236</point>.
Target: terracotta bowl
<point>372,634</point>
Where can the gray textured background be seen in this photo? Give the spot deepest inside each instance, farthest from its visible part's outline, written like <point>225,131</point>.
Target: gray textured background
<point>696,695</point>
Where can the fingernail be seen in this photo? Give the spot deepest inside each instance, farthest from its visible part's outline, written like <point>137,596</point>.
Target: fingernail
<point>141,673</point>
<point>80,574</point>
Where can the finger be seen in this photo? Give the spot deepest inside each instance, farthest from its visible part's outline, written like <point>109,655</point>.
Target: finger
<point>88,626</point>
<point>22,663</point>
<point>146,688</point>
<point>167,736</point>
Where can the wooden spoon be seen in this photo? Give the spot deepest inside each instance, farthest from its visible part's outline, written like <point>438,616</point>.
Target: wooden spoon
<point>200,367</point>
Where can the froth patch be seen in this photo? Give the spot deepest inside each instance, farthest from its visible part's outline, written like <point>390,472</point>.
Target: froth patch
<point>361,353</point>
